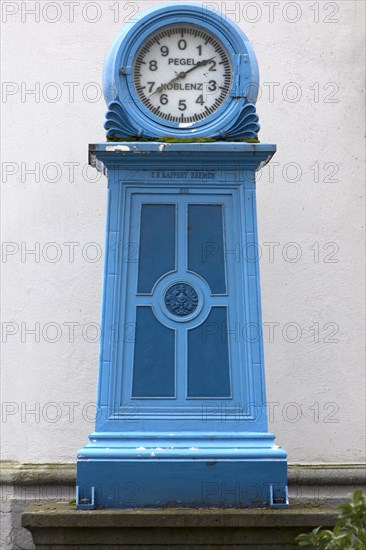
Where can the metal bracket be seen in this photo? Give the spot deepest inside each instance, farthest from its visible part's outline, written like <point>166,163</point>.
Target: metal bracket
<point>276,502</point>
<point>85,503</point>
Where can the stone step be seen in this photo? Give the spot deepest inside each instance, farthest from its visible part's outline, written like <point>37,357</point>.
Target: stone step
<point>62,527</point>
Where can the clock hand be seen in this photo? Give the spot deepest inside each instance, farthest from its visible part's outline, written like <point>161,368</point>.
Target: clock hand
<point>197,66</point>
<point>183,74</point>
<point>161,88</point>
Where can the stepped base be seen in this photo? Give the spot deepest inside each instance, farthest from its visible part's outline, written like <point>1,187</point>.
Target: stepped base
<point>158,471</point>
<point>195,484</point>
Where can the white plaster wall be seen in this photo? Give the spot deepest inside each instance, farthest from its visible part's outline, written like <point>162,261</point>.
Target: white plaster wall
<point>316,386</point>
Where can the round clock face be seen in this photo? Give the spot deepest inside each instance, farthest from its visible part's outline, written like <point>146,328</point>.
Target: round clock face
<point>182,73</point>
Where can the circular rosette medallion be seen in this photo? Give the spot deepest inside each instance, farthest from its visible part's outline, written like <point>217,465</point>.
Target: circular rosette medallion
<point>181,299</point>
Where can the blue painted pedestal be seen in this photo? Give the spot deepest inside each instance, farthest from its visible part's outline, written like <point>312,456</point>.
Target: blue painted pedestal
<point>181,406</point>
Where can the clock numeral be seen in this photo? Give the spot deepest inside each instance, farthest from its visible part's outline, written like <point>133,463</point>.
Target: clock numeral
<point>207,97</point>
<point>182,44</point>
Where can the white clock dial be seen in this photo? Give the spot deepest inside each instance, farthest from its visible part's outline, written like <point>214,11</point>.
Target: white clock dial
<point>182,73</point>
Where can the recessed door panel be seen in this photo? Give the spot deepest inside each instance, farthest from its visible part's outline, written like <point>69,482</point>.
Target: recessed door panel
<point>154,364</point>
<point>208,357</point>
<point>183,301</point>
<point>206,244</point>
<point>157,244</point>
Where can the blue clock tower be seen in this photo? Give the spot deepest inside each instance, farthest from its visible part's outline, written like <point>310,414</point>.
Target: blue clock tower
<point>181,406</point>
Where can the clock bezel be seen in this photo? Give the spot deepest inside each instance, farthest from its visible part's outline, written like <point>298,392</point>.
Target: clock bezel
<point>118,82</point>
<point>130,77</point>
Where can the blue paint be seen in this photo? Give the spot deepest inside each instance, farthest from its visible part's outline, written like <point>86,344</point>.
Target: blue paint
<point>127,116</point>
<point>181,397</point>
<point>208,357</point>
<point>157,244</point>
<point>181,300</point>
<point>207,483</point>
<point>206,244</point>
<point>153,370</point>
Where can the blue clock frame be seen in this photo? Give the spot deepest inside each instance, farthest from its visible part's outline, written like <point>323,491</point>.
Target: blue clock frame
<point>127,117</point>
<point>181,403</point>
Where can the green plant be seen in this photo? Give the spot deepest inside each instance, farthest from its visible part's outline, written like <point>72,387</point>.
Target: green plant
<point>348,534</point>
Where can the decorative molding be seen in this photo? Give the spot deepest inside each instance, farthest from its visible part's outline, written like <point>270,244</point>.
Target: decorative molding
<point>246,125</point>
<point>220,156</point>
<point>64,473</point>
<point>181,299</point>
<point>27,473</point>
<point>119,126</point>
